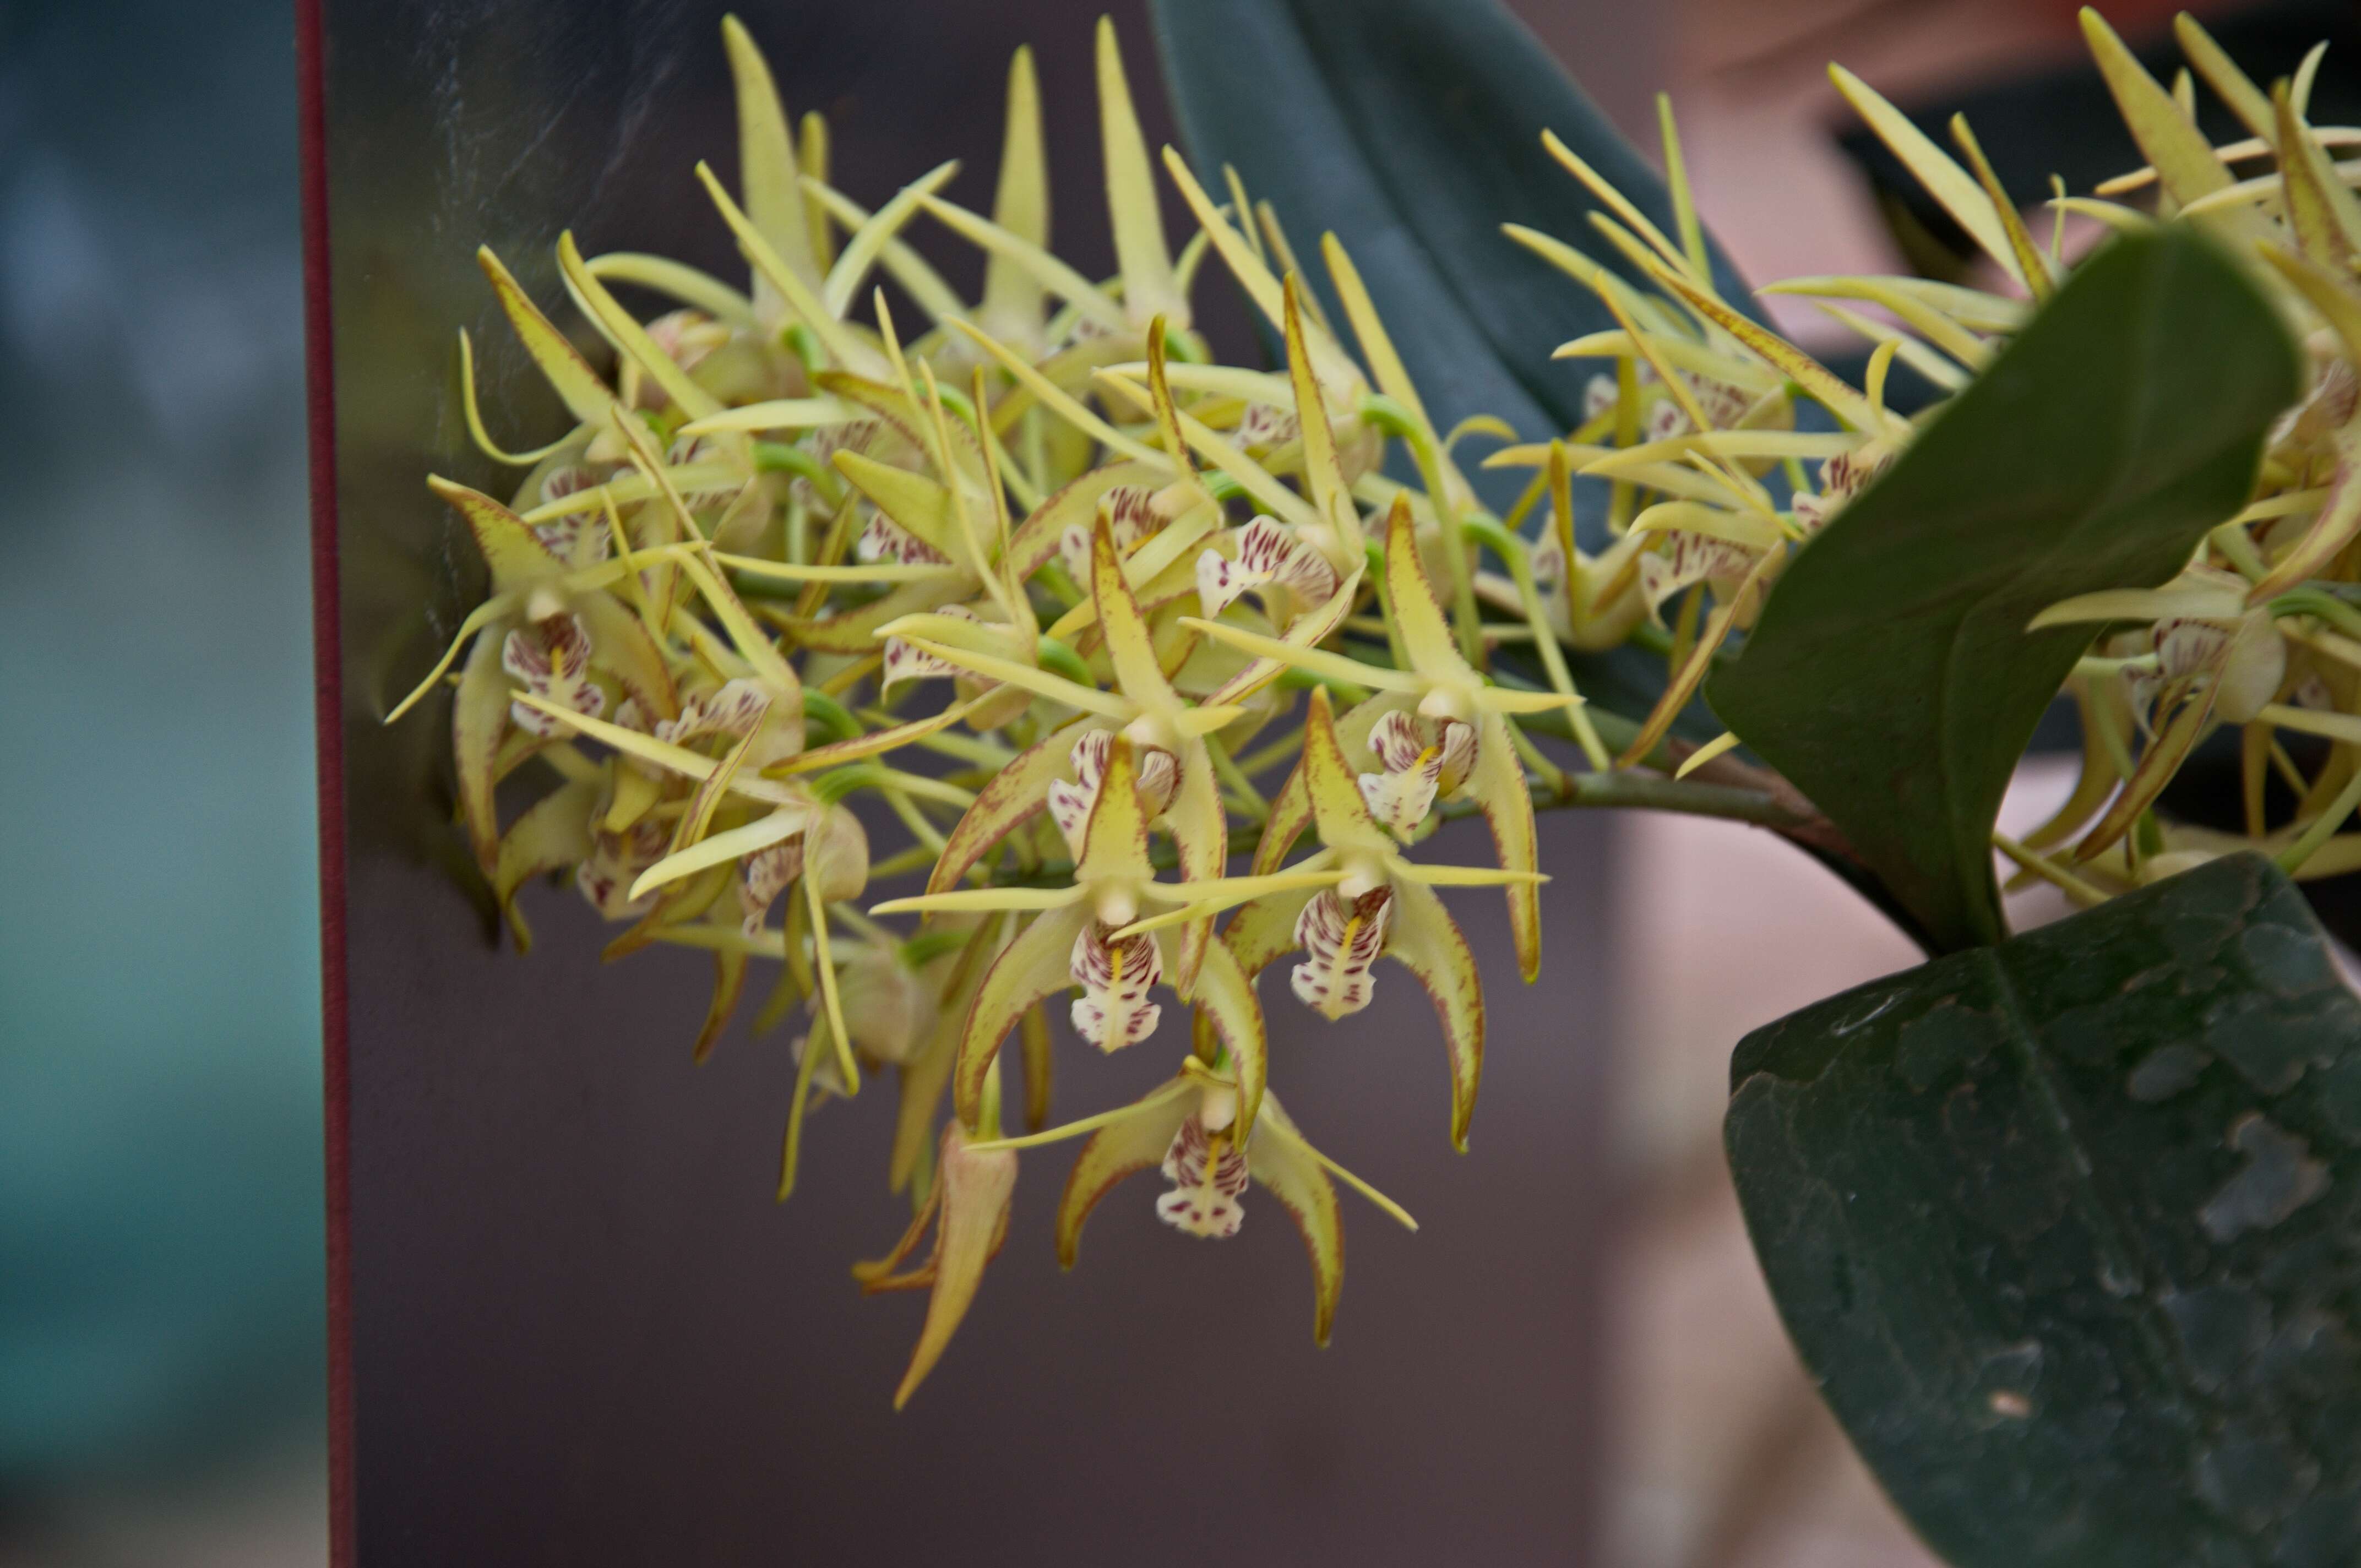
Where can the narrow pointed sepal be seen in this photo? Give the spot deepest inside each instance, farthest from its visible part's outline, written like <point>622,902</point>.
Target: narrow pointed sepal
<point>1035,966</point>
<point>480,714</point>
<point>1497,784</point>
<point>1279,1159</point>
<point>553,834</point>
<point>973,1189</point>
<point>515,557</point>
<point>1133,1142</point>
<point>1425,940</point>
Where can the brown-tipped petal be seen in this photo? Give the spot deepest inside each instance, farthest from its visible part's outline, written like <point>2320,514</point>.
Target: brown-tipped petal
<point>510,548</point>
<point>1309,630</point>
<point>1333,788</point>
<point>1426,633</point>
<point>1291,809</point>
<point>836,753</point>
<point>1691,675</point>
<point>1427,941</point>
<point>1012,298</point>
<point>1200,831</point>
<point>1007,801</point>
<point>878,1274</point>
<point>622,647</point>
<point>1115,839</point>
<point>1263,931</point>
<point>1039,538</point>
<point>478,714</point>
<point>924,1078</point>
<point>920,506</point>
<point>729,985</point>
<point>2156,765</point>
<point>1323,473</point>
<point>1283,1162</point>
<point>1829,389</point>
<point>976,1188</point>
<point>1223,992</point>
<point>1130,644</point>
<point>913,421</point>
<point>1290,817</point>
<point>631,340</point>
<point>1497,784</point>
<point>922,1084</point>
<point>585,396</point>
<point>1134,1143</point>
<point>1377,346</point>
<point>1166,412</point>
<point>1031,968</point>
<point>553,834</point>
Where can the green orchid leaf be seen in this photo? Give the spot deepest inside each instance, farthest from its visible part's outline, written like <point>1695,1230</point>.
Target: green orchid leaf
<point>2069,1230</point>
<point>1412,130</point>
<point>1891,677</point>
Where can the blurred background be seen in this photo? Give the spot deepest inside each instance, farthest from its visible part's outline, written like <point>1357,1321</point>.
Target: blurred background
<point>161,1340</point>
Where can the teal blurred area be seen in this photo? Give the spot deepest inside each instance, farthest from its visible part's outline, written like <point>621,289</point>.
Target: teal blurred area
<point>161,1217</point>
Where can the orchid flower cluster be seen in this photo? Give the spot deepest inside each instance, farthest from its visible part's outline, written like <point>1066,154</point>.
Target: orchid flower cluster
<point>1185,614</point>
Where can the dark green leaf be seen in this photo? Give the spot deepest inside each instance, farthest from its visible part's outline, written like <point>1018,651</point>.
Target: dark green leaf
<point>1891,677</point>
<point>2069,1230</point>
<point>1412,129</point>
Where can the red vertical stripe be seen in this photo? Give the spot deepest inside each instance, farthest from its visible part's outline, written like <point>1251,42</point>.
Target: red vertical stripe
<point>327,653</point>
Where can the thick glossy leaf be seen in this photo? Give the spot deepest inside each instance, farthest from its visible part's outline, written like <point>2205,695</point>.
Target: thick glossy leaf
<point>2069,1230</point>
<point>1412,130</point>
<point>1891,676</point>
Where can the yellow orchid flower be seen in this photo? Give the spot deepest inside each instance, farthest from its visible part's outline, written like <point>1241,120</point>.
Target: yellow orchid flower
<point>549,625</point>
<point>1439,685</point>
<point>1299,567</point>
<point>1190,1131</point>
<point>1079,938</point>
<point>1153,717</point>
<point>1378,905</point>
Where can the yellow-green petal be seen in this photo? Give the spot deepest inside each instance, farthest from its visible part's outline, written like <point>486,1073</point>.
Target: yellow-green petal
<point>1033,966</point>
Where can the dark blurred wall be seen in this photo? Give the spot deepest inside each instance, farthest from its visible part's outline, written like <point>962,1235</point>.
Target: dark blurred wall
<point>582,1331</point>
<point>160,1166</point>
